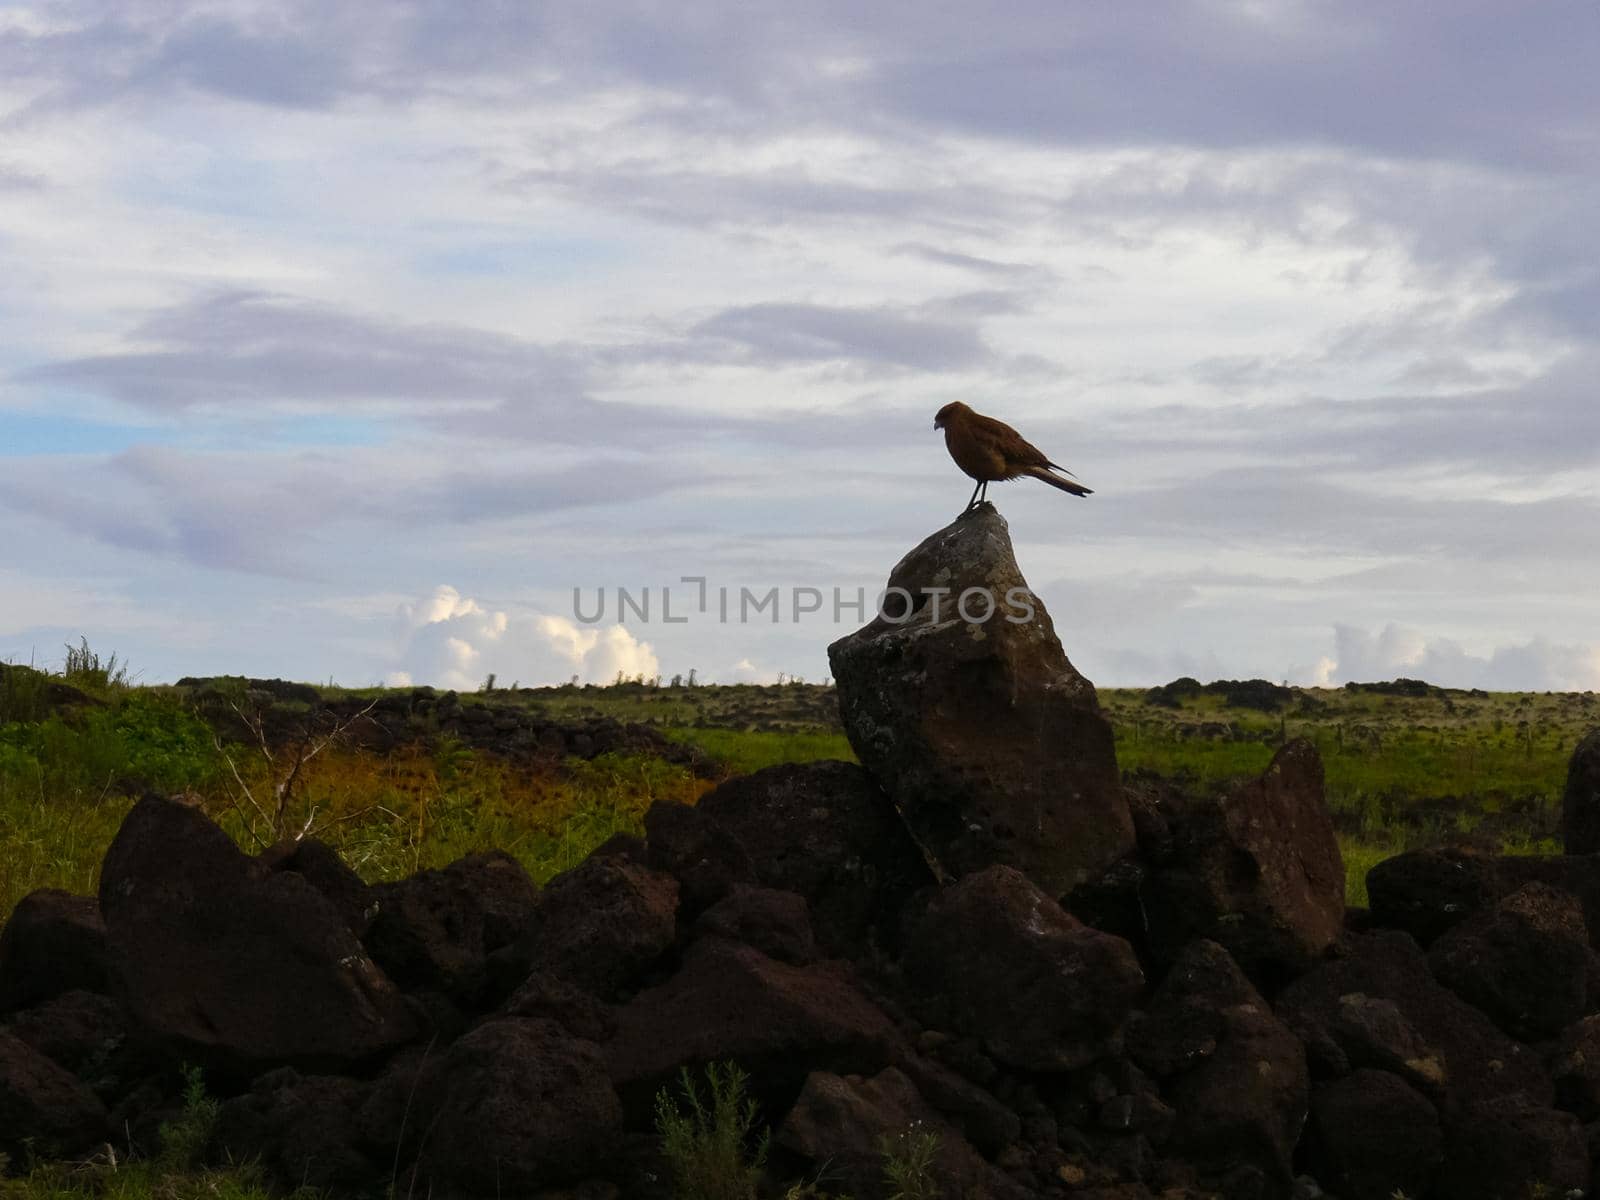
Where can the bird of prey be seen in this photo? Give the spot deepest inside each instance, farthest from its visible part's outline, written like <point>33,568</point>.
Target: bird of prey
<point>990,450</point>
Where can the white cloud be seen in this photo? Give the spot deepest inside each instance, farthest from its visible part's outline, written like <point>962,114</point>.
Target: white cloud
<point>1397,651</point>
<point>453,641</point>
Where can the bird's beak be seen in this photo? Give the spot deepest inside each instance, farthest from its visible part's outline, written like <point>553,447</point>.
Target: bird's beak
<point>936,422</point>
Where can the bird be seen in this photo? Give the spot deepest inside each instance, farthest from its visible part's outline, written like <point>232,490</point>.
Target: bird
<point>989,450</point>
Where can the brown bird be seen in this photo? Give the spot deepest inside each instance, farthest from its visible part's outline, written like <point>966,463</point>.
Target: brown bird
<point>990,450</point>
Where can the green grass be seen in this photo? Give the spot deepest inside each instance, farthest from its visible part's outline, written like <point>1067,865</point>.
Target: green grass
<point>743,752</point>
<point>1401,771</point>
<point>66,783</point>
<point>68,780</point>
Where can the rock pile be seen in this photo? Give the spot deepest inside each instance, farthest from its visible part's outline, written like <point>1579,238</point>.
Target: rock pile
<point>1082,990</point>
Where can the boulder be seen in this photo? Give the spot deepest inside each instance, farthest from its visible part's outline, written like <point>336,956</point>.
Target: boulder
<point>1509,1148</point>
<point>1379,1006</point>
<point>599,926</point>
<point>996,958</point>
<point>827,832</point>
<point>1575,1069</point>
<point>1425,892</point>
<point>518,1105</point>
<point>989,741</point>
<point>1580,803</point>
<point>1374,1136</point>
<point>392,1123</point>
<point>776,923</point>
<point>320,865</point>
<point>437,929</point>
<point>226,962</point>
<point>552,998</point>
<point>81,1031</point>
<point>54,942</point>
<point>731,1002</point>
<point>687,843</point>
<point>985,1121</point>
<point>840,1125</point>
<point>1257,869</point>
<point>1526,962</point>
<point>44,1111</point>
<point>304,1131</point>
<point>1234,1074</point>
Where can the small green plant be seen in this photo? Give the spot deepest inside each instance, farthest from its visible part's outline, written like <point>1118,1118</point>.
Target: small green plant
<point>83,668</point>
<point>709,1140</point>
<point>184,1140</point>
<point>908,1164</point>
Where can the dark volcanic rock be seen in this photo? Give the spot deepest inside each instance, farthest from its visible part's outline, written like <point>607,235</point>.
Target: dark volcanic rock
<point>728,1001</point>
<point>82,1031</point>
<point>839,1123</point>
<point>691,846</point>
<point>320,865</point>
<point>519,1105</point>
<point>552,998</point>
<point>1380,1006</point>
<point>1500,1149</point>
<point>1425,892</point>
<point>437,929</point>
<point>1234,1074</point>
<point>776,923</point>
<point>1526,962</point>
<point>1575,1068</point>
<point>1257,870</point>
<point>304,1130</point>
<point>44,1111</point>
<point>226,961</point>
<point>987,1123</point>
<point>1576,874</point>
<point>992,745</point>
<point>1374,1136</point>
<point>826,831</point>
<point>599,925</point>
<point>1580,803</point>
<point>996,958</point>
<point>55,942</point>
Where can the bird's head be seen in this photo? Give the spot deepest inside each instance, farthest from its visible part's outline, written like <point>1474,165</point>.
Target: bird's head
<point>949,412</point>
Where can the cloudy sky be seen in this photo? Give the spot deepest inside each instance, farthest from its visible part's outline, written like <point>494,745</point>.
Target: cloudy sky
<point>346,340</point>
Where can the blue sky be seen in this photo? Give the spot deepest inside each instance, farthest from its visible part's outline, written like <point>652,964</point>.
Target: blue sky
<point>346,341</point>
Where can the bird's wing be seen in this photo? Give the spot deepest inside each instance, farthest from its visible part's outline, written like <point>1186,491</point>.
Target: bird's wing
<point>1011,445</point>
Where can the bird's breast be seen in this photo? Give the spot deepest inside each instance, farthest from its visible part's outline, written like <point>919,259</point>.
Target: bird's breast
<point>974,455</point>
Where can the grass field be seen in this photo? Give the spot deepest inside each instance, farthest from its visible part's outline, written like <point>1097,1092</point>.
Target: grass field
<point>1405,767</point>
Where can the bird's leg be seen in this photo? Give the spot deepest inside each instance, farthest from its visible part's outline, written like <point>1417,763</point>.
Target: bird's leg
<point>984,499</point>
<point>974,500</point>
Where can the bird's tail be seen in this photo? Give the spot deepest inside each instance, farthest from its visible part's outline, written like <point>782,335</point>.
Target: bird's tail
<point>1066,485</point>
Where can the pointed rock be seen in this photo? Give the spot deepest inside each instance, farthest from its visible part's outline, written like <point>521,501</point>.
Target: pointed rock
<point>960,700</point>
